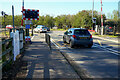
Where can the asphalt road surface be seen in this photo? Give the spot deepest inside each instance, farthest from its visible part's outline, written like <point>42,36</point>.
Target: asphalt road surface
<point>100,61</point>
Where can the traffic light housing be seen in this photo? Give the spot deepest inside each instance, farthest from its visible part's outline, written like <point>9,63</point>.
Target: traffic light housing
<point>94,20</point>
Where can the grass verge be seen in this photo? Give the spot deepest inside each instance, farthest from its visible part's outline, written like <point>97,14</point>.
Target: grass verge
<point>111,36</point>
<point>58,29</point>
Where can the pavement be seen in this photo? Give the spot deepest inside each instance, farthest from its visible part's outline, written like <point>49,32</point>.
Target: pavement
<point>42,63</point>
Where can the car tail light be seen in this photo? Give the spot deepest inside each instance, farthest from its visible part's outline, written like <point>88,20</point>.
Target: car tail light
<point>90,36</point>
<point>74,36</point>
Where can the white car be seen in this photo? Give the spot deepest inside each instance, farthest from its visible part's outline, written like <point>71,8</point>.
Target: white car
<point>40,28</point>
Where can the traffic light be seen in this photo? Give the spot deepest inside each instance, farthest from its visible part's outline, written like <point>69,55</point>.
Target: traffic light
<point>94,20</point>
<point>2,13</point>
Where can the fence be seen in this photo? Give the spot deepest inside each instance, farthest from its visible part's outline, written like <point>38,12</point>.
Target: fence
<point>6,45</point>
<point>7,53</point>
<point>47,39</point>
<point>107,30</point>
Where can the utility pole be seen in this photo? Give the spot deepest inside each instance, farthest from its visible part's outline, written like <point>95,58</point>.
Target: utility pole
<point>102,27</point>
<point>93,18</point>
<point>93,15</point>
<point>93,10</point>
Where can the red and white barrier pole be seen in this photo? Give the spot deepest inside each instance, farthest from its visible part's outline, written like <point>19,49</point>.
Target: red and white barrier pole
<point>22,13</point>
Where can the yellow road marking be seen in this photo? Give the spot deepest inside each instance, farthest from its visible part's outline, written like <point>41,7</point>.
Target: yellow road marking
<point>56,43</point>
<point>99,42</point>
<point>113,45</point>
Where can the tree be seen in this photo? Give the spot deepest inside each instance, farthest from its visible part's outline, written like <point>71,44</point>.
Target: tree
<point>115,15</point>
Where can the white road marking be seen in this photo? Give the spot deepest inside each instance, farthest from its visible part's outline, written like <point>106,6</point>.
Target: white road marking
<point>32,37</point>
<point>110,50</point>
<point>55,43</point>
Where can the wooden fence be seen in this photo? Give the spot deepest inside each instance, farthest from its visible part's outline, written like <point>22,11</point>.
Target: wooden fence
<point>7,53</point>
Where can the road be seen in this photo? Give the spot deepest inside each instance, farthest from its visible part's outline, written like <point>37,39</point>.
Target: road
<point>100,61</point>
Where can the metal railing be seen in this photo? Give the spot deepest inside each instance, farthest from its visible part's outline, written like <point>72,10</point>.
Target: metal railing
<point>47,39</point>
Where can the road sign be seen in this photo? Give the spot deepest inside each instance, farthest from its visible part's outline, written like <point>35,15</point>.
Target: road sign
<point>27,26</point>
<point>30,14</point>
<point>28,22</point>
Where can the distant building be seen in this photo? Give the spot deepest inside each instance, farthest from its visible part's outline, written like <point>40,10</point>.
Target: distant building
<point>119,8</point>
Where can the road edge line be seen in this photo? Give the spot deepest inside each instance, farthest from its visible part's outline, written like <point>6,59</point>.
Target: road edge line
<point>112,51</point>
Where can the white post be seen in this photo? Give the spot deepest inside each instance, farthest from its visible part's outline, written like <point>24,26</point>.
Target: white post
<point>96,28</point>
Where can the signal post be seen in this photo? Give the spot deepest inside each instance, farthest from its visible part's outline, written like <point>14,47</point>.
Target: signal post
<point>28,15</point>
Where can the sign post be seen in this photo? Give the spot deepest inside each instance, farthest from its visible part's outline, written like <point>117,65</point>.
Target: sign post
<point>28,16</point>
<point>13,18</point>
<point>94,23</point>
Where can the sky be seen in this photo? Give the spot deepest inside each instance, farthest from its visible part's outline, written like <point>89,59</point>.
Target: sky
<point>57,7</point>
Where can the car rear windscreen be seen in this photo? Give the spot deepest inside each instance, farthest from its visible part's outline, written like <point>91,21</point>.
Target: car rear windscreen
<point>43,27</point>
<point>81,32</point>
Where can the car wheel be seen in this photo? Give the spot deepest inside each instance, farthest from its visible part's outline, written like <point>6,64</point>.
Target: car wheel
<point>89,46</point>
<point>71,44</point>
<point>64,40</point>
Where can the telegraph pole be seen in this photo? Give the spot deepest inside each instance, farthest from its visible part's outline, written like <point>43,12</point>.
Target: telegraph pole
<point>93,15</point>
<point>93,10</point>
<point>102,27</point>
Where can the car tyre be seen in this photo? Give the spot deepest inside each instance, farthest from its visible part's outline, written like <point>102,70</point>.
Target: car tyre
<point>89,46</point>
<point>71,44</point>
